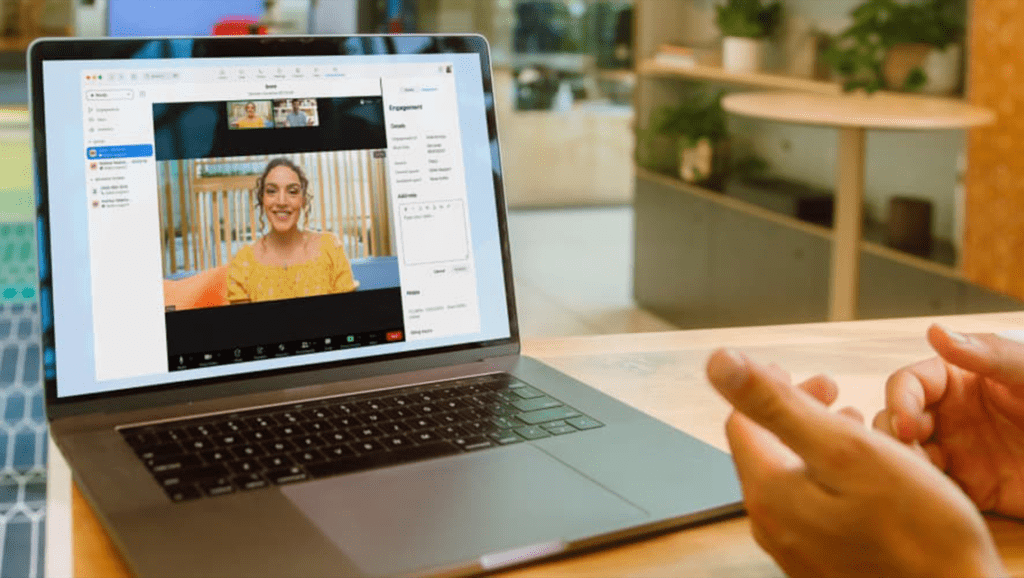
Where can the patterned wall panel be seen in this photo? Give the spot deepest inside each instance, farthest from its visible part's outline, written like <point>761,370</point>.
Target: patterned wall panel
<point>993,250</point>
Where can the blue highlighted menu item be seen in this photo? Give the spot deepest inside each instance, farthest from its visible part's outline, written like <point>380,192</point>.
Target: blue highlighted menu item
<point>119,151</point>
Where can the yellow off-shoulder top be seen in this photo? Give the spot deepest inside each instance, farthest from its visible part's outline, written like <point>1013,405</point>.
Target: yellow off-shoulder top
<point>328,272</point>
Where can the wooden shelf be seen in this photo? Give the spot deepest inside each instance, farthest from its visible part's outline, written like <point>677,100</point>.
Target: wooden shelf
<point>14,43</point>
<point>871,247</point>
<point>655,68</point>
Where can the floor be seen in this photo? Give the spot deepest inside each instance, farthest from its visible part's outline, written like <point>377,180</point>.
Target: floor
<point>573,271</point>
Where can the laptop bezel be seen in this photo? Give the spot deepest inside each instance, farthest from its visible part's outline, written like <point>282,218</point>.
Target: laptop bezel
<point>265,380</point>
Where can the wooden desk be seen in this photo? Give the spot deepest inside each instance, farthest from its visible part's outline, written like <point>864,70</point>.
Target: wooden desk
<point>662,374</point>
<point>853,115</point>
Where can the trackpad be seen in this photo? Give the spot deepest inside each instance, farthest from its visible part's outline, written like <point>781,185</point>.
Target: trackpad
<point>450,511</point>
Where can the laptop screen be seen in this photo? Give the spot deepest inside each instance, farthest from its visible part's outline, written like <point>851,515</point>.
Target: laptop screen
<point>217,216</point>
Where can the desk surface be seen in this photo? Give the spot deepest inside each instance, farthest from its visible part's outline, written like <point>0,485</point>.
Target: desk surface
<point>662,374</point>
<point>878,111</point>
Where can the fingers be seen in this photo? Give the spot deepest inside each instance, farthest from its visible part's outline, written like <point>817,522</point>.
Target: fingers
<point>798,421</point>
<point>908,392</point>
<point>822,388</point>
<point>984,354</point>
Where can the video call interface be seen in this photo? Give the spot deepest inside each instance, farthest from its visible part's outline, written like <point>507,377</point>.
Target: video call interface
<point>218,181</point>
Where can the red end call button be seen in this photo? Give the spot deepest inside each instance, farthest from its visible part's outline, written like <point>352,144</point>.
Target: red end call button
<point>394,336</point>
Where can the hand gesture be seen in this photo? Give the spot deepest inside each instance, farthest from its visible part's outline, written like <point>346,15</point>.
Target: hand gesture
<point>965,411</point>
<point>828,497</point>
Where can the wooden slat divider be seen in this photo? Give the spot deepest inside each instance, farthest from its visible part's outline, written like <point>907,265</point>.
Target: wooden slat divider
<point>349,185</point>
<point>363,196</point>
<point>339,228</point>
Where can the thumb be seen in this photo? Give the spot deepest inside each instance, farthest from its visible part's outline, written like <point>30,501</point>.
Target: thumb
<point>982,353</point>
<point>799,421</point>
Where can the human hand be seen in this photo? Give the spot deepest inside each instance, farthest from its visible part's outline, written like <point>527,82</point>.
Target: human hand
<point>828,497</point>
<point>964,410</point>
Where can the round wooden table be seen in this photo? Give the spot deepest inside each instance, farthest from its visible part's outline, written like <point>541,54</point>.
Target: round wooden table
<point>853,114</point>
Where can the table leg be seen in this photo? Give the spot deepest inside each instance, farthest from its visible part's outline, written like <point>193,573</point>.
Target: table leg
<point>849,201</point>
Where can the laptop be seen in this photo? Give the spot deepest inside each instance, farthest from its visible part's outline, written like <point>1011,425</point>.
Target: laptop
<point>363,410</point>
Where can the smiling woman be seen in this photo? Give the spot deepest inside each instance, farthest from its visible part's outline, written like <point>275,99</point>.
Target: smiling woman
<point>287,261</point>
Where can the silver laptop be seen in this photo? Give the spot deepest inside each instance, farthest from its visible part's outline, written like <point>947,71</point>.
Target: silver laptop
<point>360,410</point>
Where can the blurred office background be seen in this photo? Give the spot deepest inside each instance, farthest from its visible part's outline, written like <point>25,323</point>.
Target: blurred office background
<point>596,102</point>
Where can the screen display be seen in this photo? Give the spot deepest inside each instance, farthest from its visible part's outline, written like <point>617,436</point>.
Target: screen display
<point>219,216</point>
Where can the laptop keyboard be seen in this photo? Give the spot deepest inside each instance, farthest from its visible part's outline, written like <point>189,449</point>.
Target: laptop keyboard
<point>239,451</point>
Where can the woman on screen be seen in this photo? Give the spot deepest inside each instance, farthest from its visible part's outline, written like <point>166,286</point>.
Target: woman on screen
<point>251,119</point>
<point>287,262</point>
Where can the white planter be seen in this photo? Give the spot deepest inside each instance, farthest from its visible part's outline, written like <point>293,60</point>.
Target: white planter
<point>942,67</point>
<point>742,54</point>
<point>696,162</point>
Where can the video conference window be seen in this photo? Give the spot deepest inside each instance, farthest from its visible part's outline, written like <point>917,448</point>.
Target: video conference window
<point>248,114</point>
<point>295,113</point>
<point>276,243</point>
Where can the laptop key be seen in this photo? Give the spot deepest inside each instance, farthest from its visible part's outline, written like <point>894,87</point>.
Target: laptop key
<point>472,443</point>
<point>453,404</point>
<point>217,456</point>
<point>367,431</point>
<point>394,427</point>
<point>151,452</point>
<point>335,437</point>
<point>584,422</point>
<point>372,405</point>
<point>306,442</point>
<point>162,464</point>
<point>425,436</point>
<point>395,442</point>
<point>318,426</point>
<point>257,435</point>
<point>452,431</point>
<point>276,462</point>
<point>545,415</point>
<point>184,492</point>
<point>368,447</point>
<point>244,466</point>
<point>527,392</point>
<point>227,440</point>
<point>345,422</point>
<point>399,413</point>
<point>217,486</point>
<point>249,481</point>
<point>317,413</point>
<point>279,447</point>
<point>307,456</point>
<point>506,437</point>
<point>502,422</point>
<point>536,403</point>
<point>560,429</point>
<point>422,423</point>
<point>287,431</point>
<point>532,432</point>
<point>338,451</point>
<point>191,475</point>
<point>287,475</point>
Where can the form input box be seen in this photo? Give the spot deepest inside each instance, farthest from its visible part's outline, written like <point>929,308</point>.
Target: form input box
<point>434,232</point>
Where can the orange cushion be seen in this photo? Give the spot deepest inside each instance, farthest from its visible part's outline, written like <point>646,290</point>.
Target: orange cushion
<point>204,289</point>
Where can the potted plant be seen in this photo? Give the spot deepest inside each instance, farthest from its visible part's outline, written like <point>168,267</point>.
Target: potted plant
<point>687,139</point>
<point>912,46</point>
<point>744,25</point>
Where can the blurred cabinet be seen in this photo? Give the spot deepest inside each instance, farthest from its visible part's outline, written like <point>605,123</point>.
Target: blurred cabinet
<point>22,21</point>
<point>705,260</point>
